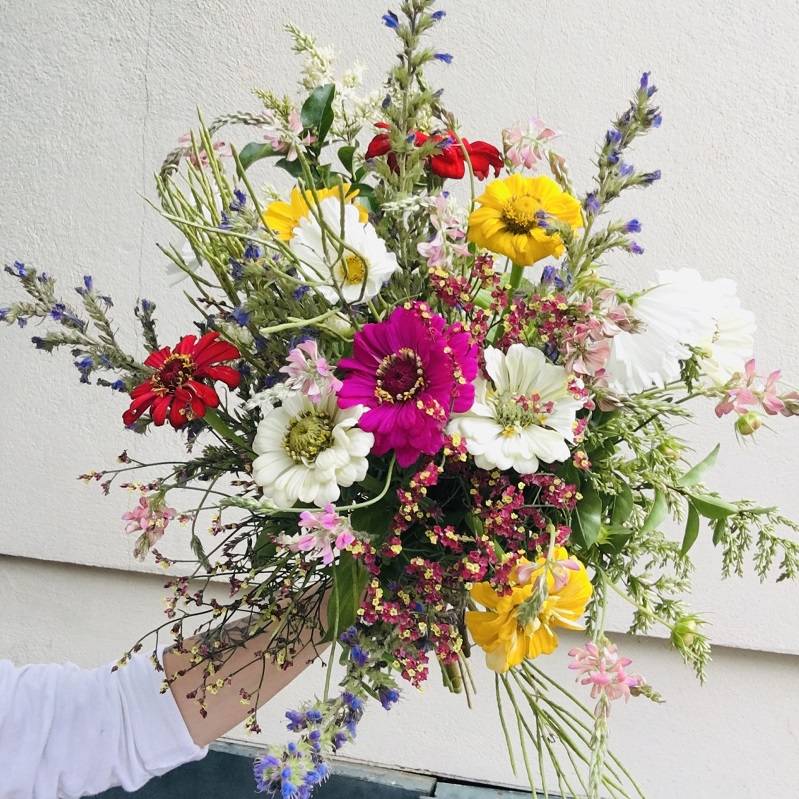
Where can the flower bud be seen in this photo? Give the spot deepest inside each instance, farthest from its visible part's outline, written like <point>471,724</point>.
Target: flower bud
<point>671,448</point>
<point>748,423</point>
<point>684,632</point>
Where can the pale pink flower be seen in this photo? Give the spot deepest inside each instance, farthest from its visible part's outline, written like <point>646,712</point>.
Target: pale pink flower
<point>287,138</point>
<point>559,569</point>
<point>221,148</point>
<point>449,241</point>
<point>310,373</point>
<point>324,534</point>
<point>149,518</point>
<point>605,670</point>
<point>746,390</point>
<point>525,145</point>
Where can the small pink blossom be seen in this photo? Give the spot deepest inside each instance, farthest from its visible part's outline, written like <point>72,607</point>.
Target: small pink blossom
<point>449,241</point>
<point>149,518</point>
<point>287,138</point>
<point>604,669</point>
<point>559,569</point>
<point>324,534</point>
<point>221,148</point>
<point>525,145</point>
<point>309,372</point>
<point>746,391</point>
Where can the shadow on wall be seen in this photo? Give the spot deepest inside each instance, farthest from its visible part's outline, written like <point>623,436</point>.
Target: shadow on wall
<point>228,775</point>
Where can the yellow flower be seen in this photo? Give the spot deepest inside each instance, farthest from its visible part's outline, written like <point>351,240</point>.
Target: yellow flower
<point>506,222</point>
<point>518,625</point>
<point>282,217</point>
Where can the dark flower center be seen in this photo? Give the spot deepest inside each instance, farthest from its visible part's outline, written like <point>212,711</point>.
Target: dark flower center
<point>400,376</point>
<point>177,370</point>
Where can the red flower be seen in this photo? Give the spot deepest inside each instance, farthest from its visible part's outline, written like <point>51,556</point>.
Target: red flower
<point>176,389</point>
<point>449,161</point>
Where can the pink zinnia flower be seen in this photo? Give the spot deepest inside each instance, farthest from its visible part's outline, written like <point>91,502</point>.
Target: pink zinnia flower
<point>324,533</point>
<point>309,372</point>
<point>149,518</point>
<point>411,371</point>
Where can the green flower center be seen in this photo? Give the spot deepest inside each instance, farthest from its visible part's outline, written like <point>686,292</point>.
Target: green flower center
<point>308,435</point>
<point>516,411</point>
<point>519,214</point>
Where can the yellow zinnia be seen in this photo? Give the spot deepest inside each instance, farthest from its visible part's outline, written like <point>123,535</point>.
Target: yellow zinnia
<point>518,625</point>
<point>507,220</point>
<point>282,217</point>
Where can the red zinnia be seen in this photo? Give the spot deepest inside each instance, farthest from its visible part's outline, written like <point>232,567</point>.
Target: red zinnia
<point>449,161</point>
<point>176,388</point>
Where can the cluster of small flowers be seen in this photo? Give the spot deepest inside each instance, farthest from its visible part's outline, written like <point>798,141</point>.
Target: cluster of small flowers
<point>555,491</point>
<point>746,391</point>
<point>149,518</point>
<point>448,220</point>
<point>547,318</point>
<point>604,669</point>
<point>526,145</point>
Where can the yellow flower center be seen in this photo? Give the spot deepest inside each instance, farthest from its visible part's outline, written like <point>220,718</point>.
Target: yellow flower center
<point>519,213</point>
<point>177,370</point>
<point>307,436</point>
<point>355,270</point>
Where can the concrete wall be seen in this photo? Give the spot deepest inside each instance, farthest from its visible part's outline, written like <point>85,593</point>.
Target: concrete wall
<point>93,94</point>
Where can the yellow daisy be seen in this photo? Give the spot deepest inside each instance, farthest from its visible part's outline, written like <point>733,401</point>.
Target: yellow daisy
<point>506,221</point>
<point>513,629</point>
<point>282,217</point>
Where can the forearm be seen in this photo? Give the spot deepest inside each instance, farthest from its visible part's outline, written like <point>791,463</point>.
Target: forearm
<point>245,672</point>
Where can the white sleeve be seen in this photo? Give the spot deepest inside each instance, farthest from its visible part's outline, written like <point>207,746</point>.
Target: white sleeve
<point>67,732</point>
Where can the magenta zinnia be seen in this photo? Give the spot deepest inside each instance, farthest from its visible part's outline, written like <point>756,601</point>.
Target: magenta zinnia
<point>411,371</point>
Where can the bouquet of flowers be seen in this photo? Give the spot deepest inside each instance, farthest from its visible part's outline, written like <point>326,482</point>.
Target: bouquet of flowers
<point>423,415</point>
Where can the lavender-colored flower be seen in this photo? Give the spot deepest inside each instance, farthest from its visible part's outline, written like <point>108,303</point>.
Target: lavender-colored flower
<point>236,269</point>
<point>147,306</point>
<point>359,656</point>
<point>591,203</point>
<point>657,120</point>
<point>646,86</point>
<point>57,311</point>
<point>240,316</point>
<point>632,226</point>
<point>613,136</point>
<point>18,269</point>
<point>43,277</point>
<point>350,636</point>
<point>239,200</point>
<point>4,312</point>
<point>22,321</point>
<point>625,170</point>
<point>88,282</point>
<point>445,58</point>
<point>252,252</point>
<point>635,248</point>
<point>117,385</point>
<point>648,178</point>
<point>391,20</point>
<point>385,102</point>
<point>438,15</point>
<point>300,292</point>
<point>388,697</point>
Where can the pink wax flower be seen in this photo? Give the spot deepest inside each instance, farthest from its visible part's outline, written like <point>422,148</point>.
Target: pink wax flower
<point>525,145</point>
<point>411,371</point>
<point>286,139</point>
<point>746,391</point>
<point>604,669</point>
<point>449,241</point>
<point>310,373</point>
<point>149,518</point>
<point>324,534</point>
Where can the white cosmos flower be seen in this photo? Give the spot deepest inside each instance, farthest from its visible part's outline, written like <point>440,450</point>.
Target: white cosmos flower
<point>680,312</point>
<point>523,415</point>
<point>359,276</point>
<point>307,450</point>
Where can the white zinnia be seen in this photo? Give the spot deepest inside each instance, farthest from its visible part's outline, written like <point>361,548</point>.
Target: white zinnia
<point>307,450</point>
<point>524,415</point>
<point>680,312</point>
<point>360,272</point>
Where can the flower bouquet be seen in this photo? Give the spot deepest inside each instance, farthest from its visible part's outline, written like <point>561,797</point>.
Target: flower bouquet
<point>422,414</point>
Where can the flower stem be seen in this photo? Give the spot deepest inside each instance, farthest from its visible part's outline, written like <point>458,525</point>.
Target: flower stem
<point>218,425</point>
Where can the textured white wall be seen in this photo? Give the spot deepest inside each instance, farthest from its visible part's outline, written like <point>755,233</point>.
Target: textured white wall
<point>93,94</point>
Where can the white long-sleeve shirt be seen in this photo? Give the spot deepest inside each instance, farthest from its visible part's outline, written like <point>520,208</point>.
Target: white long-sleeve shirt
<point>67,732</point>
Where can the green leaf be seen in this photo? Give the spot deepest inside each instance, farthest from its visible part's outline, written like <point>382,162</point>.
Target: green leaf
<point>613,537</point>
<point>349,579</point>
<point>254,151</point>
<point>265,548</point>
<point>695,475</point>
<point>657,513</point>
<point>589,516</point>
<point>713,507</point>
<point>622,506</point>
<point>691,529</point>
<point>374,520</point>
<point>345,155</point>
<point>292,167</point>
<point>317,111</point>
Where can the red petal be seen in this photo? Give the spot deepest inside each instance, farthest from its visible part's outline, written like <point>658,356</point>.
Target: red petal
<point>215,353</point>
<point>449,164</point>
<point>156,359</point>
<point>380,145</point>
<point>227,374</point>
<point>483,156</point>
<point>186,345</point>
<point>206,393</point>
<point>142,389</point>
<point>178,413</point>
<point>160,408</point>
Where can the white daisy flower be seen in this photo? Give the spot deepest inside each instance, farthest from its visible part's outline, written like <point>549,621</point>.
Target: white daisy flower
<point>359,273</point>
<point>680,312</point>
<point>307,450</point>
<point>523,415</point>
